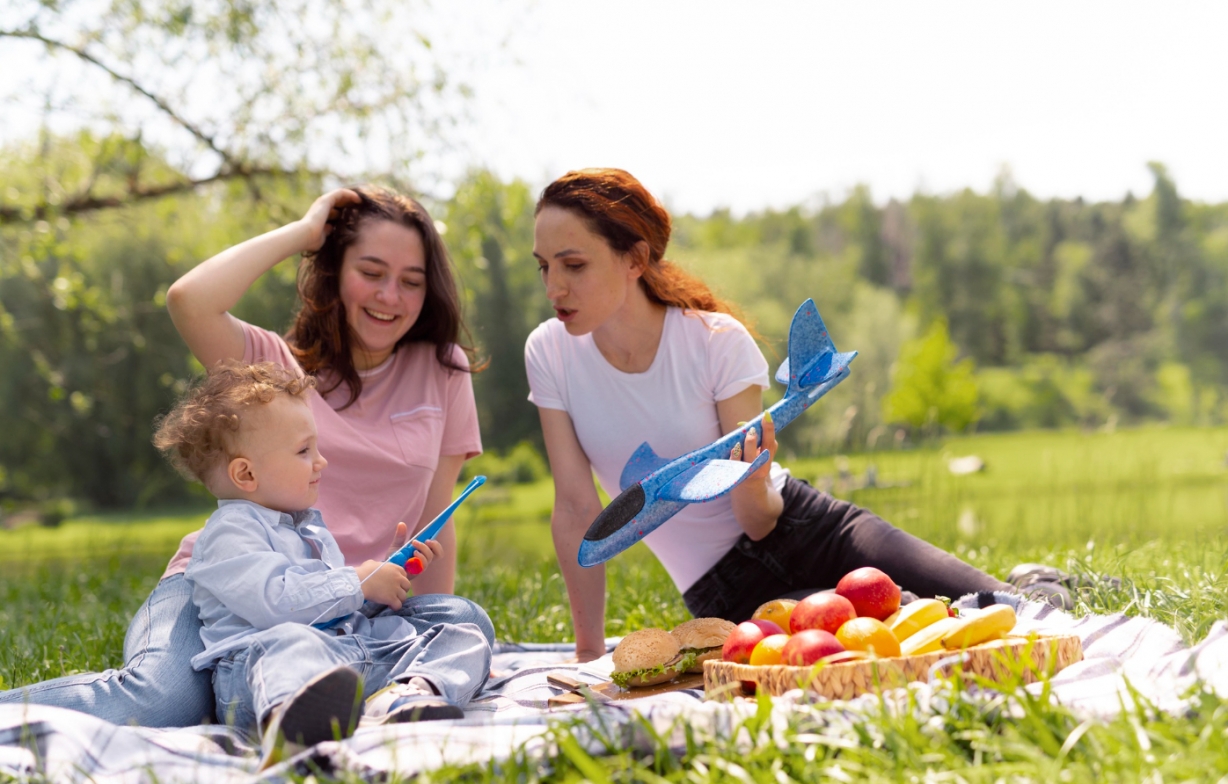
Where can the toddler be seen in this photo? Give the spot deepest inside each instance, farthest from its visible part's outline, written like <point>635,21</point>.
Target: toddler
<point>299,643</point>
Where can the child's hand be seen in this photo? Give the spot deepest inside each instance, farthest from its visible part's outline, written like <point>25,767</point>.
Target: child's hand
<point>388,585</point>
<point>425,552</point>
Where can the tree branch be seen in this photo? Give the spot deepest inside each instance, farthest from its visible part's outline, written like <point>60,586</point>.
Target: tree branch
<point>204,138</point>
<point>86,202</point>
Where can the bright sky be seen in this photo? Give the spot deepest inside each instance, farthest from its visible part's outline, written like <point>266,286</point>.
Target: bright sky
<point>713,103</point>
<point>748,105</point>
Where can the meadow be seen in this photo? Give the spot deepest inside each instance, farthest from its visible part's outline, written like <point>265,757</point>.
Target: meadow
<point>1148,505</point>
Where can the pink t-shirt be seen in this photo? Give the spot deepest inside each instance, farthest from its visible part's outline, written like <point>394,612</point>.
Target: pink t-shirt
<point>382,451</point>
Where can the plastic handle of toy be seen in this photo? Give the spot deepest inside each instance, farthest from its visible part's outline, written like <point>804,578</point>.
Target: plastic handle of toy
<point>405,554</point>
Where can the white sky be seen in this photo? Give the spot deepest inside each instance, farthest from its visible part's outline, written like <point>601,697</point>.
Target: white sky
<point>748,105</point>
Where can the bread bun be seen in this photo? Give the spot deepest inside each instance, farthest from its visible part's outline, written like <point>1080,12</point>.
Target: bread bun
<point>701,633</point>
<point>644,649</point>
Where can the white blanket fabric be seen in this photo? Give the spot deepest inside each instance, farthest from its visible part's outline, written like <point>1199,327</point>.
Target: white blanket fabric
<point>511,715</point>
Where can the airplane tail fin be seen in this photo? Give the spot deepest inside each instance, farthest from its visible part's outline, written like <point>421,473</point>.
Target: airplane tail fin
<point>813,358</point>
<point>643,461</point>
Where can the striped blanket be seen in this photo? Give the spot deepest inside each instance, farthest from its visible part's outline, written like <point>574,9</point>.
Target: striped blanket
<point>511,716</point>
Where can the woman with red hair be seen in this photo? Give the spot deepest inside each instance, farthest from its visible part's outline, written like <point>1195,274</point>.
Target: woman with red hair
<point>643,351</point>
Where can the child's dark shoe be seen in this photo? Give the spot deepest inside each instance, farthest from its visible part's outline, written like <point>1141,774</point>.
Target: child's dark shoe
<point>325,708</point>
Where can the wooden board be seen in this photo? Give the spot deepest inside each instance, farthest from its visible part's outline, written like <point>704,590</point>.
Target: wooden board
<point>1031,659</point>
<point>574,691</point>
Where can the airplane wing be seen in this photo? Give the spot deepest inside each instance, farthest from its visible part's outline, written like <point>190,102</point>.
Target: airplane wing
<point>709,480</point>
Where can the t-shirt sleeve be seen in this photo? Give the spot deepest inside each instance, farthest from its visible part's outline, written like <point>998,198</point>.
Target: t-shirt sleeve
<point>542,365</point>
<point>261,345</point>
<point>461,434</point>
<point>734,361</point>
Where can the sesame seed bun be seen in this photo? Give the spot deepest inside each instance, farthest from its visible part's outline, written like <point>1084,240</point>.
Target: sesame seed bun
<point>701,633</point>
<point>643,649</point>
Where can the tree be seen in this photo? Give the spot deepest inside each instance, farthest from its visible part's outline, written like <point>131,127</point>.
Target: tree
<point>192,93</point>
<point>490,235</point>
<point>930,390</point>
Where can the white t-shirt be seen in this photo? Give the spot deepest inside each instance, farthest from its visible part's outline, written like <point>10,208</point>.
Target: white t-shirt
<point>703,358</point>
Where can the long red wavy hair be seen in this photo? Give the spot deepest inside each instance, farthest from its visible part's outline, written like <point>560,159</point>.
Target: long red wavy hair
<point>620,209</point>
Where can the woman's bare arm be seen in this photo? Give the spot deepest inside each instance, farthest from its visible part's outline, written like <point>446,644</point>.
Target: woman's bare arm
<point>576,505</point>
<point>756,502</point>
<point>200,301</point>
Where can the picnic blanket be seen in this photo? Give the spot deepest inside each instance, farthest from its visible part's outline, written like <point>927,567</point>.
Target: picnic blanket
<point>1122,657</point>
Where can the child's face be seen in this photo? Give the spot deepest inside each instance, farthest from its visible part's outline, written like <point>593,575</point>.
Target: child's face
<point>283,464</point>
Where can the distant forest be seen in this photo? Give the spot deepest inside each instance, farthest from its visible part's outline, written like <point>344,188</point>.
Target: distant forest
<point>972,311</point>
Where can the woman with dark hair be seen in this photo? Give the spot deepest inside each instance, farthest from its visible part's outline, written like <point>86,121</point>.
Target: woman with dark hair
<point>380,327</point>
<point>643,351</point>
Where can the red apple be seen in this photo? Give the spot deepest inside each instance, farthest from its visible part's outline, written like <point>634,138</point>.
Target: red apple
<point>808,646</point>
<point>769,627</point>
<point>872,592</point>
<point>743,639</point>
<point>826,611</point>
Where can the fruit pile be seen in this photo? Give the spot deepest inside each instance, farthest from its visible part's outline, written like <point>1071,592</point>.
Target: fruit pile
<point>861,619</point>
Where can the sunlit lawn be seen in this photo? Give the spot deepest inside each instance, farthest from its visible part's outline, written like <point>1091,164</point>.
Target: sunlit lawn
<point>1148,505</point>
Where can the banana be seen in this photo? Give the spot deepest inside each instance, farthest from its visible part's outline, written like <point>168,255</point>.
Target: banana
<point>928,639</point>
<point>915,616</point>
<point>994,621</point>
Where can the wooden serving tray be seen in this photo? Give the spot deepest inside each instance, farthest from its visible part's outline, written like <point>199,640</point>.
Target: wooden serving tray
<point>575,691</point>
<point>1033,658</point>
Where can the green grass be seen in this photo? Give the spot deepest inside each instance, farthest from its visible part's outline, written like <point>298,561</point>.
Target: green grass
<point>1148,505</point>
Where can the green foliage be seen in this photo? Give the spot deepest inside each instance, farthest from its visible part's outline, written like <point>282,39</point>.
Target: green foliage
<point>930,390</point>
<point>490,236</point>
<point>88,354</point>
<point>519,465</point>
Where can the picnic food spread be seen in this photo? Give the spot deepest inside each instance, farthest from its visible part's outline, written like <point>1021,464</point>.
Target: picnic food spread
<point>858,638</point>
<point>838,643</point>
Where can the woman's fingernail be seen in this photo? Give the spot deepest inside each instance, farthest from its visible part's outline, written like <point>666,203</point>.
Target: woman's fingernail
<point>742,424</point>
<point>767,417</point>
<point>736,452</point>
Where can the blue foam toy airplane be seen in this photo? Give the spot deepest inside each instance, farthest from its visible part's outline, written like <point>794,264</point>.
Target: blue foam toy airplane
<point>654,488</point>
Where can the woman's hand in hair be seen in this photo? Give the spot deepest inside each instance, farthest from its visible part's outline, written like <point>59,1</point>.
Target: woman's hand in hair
<point>323,210</point>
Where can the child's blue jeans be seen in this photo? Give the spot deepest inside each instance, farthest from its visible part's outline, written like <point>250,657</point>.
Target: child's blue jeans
<point>157,687</point>
<point>454,658</point>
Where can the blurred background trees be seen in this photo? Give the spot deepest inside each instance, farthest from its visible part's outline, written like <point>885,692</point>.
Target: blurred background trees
<point>168,131</point>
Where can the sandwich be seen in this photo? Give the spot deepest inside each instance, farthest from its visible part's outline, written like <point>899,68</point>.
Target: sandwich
<point>648,657</point>
<point>703,637</point>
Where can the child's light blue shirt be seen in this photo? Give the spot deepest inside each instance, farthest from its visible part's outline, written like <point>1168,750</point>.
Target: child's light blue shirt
<point>254,567</point>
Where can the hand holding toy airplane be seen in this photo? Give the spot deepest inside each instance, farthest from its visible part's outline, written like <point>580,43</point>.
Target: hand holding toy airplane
<point>654,488</point>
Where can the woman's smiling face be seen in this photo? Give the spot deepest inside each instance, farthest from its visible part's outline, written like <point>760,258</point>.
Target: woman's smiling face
<point>586,280</point>
<point>383,288</point>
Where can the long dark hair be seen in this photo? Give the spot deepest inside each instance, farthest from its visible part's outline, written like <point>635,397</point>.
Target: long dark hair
<point>321,339</point>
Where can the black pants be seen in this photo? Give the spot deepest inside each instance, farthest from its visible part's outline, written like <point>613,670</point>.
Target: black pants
<point>817,540</point>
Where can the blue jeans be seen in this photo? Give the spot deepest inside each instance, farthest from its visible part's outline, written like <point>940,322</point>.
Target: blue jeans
<point>454,658</point>
<point>157,686</point>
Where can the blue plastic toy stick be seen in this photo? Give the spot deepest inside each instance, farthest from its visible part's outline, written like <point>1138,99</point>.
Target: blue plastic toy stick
<point>406,554</point>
